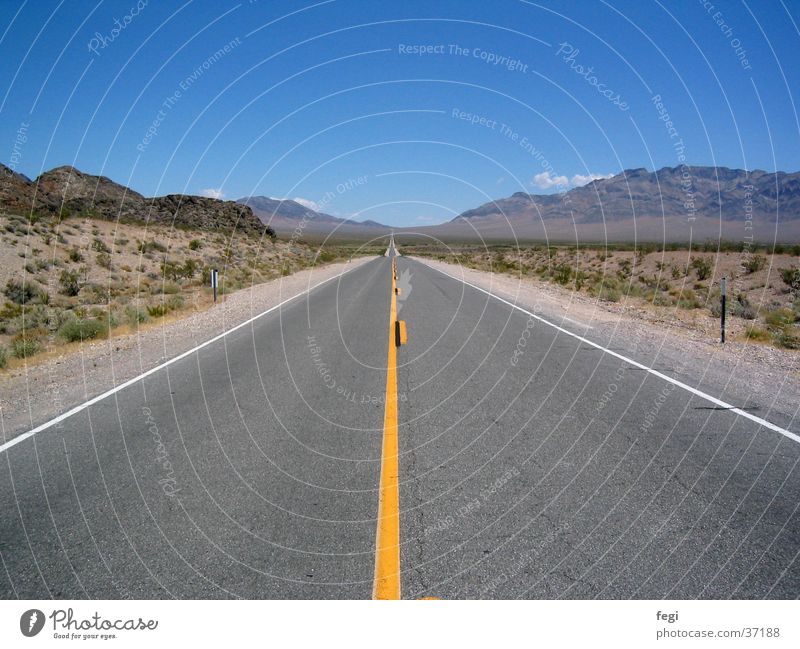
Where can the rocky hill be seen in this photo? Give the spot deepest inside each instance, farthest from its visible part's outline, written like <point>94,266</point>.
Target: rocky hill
<point>18,194</point>
<point>67,190</point>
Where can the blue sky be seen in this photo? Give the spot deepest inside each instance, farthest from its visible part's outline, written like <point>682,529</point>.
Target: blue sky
<point>332,103</point>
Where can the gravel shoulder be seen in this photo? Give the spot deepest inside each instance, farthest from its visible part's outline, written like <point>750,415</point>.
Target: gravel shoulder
<point>31,395</point>
<point>749,375</point>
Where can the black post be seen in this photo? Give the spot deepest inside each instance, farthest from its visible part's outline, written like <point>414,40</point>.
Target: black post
<point>214,283</point>
<point>723,288</point>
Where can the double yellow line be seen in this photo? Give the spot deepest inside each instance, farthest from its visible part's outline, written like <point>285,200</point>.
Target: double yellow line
<point>387,545</point>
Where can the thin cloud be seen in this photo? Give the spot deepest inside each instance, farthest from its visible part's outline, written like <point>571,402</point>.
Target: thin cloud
<point>213,193</point>
<point>305,202</point>
<point>548,180</point>
<point>579,180</point>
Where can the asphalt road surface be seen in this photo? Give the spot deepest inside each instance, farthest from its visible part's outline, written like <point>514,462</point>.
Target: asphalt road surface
<point>531,465</point>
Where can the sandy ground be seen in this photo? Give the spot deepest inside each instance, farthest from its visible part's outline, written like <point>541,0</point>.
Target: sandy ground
<point>760,373</point>
<point>54,383</point>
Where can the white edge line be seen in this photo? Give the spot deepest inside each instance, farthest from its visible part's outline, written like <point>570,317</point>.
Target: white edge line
<point>580,324</point>
<point>669,379</point>
<point>136,379</point>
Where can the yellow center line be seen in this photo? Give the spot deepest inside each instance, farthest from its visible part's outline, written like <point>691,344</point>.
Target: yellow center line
<point>387,545</point>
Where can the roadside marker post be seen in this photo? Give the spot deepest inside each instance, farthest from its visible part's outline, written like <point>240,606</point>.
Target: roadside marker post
<point>214,282</point>
<point>723,289</point>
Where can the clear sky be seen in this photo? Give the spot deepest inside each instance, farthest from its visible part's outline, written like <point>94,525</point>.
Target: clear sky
<point>403,112</point>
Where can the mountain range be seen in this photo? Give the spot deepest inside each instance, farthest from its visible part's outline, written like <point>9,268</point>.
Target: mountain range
<point>713,192</point>
<point>286,216</point>
<point>671,204</point>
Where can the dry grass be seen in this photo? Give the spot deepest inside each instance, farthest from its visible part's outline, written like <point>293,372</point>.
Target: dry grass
<point>56,276</point>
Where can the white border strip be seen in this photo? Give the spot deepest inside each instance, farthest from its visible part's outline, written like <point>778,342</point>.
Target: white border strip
<point>136,379</point>
<point>669,379</point>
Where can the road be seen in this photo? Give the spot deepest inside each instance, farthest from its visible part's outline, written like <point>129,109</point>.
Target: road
<point>531,464</point>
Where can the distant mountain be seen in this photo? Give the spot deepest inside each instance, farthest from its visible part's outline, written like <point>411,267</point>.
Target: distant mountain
<point>707,192</point>
<point>69,190</point>
<point>671,204</point>
<point>285,216</point>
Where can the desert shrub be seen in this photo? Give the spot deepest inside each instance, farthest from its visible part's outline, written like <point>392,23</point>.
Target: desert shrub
<point>75,255</point>
<point>655,282</point>
<point>3,358</point>
<point>270,233</point>
<point>791,277</point>
<point>165,288</point>
<point>173,303</point>
<point>190,267</point>
<point>174,271</point>
<point>229,285</point>
<point>754,264</point>
<point>757,333</point>
<point>661,299</point>
<point>195,244</point>
<point>82,329</point>
<point>687,299</point>
<point>742,308</point>
<point>135,316</point>
<point>779,318</point>
<point>609,293</point>
<point>562,274</point>
<point>157,310</point>
<point>701,267</point>
<point>70,283</point>
<point>19,292</point>
<point>25,346</point>
<point>170,288</point>
<point>104,260</point>
<point>787,339</point>
<point>10,310</point>
<point>100,246</point>
<point>98,293</point>
<point>150,246</point>
<point>326,256</point>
